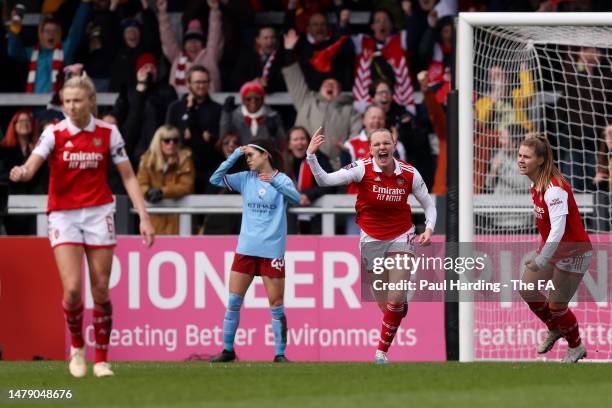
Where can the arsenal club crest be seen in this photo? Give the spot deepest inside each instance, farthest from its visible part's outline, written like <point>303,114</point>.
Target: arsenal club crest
<point>97,141</point>
<point>400,181</point>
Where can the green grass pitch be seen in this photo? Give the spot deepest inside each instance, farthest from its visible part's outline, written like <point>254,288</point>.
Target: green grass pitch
<point>243,384</point>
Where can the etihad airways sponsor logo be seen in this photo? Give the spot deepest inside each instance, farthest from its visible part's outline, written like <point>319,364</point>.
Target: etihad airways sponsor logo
<point>83,160</point>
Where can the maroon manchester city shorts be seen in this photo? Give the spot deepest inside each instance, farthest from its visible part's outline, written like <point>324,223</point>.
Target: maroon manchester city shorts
<point>257,266</point>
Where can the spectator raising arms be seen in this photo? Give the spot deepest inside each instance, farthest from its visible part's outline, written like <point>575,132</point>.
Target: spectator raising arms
<point>382,55</point>
<point>166,171</point>
<point>319,51</point>
<point>139,36</point>
<point>50,54</point>
<point>328,106</point>
<point>192,51</point>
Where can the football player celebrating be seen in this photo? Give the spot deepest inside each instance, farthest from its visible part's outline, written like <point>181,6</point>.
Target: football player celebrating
<point>384,216</point>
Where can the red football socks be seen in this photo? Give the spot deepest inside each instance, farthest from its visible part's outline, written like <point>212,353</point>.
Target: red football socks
<point>566,320</point>
<point>102,322</point>
<point>73,313</point>
<point>542,310</point>
<point>391,321</point>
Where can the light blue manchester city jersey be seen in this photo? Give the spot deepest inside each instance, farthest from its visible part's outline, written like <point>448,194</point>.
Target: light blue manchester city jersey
<point>263,231</point>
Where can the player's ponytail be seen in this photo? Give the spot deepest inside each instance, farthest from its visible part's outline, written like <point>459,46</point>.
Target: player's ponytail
<point>275,157</point>
<point>547,171</point>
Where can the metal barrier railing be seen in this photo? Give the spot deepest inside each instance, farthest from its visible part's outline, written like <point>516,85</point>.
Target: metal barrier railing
<point>328,206</point>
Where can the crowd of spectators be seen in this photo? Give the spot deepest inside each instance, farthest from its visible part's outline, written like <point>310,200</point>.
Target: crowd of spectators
<point>164,59</point>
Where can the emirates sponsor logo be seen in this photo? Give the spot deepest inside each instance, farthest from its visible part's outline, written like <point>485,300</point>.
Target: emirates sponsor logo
<point>388,190</point>
<point>83,160</point>
<point>388,194</point>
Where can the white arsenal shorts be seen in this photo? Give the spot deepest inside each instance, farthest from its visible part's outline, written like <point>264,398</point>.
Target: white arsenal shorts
<point>576,264</point>
<point>372,248</point>
<point>92,227</point>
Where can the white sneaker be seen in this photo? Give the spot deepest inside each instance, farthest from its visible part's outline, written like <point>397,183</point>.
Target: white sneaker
<point>78,364</point>
<point>102,369</point>
<point>549,341</point>
<point>575,354</point>
<point>381,357</point>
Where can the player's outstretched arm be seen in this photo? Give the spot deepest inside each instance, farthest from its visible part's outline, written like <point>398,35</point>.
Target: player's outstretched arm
<point>133,189</point>
<point>341,177</point>
<point>26,171</point>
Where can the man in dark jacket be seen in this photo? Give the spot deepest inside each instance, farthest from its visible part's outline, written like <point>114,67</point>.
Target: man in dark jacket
<point>260,62</point>
<point>197,117</point>
<point>148,102</point>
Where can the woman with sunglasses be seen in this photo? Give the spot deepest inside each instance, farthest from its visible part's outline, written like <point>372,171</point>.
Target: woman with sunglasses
<point>261,245</point>
<point>253,119</point>
<point>166,171</point>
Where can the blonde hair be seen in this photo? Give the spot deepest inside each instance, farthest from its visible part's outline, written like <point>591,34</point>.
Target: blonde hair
<point>85,83</point>
<point>381,130</point>
<point>156,157</point>
<point>547,171</point>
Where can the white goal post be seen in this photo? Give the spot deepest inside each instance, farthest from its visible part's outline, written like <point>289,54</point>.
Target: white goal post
<point>529,28</point>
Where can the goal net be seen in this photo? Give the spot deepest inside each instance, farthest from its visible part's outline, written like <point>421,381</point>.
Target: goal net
<point>550,76</point>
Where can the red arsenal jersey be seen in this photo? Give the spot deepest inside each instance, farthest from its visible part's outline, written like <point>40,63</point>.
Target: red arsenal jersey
<point>558,199</point>
<point>382,205</point>
<point>78,163</point>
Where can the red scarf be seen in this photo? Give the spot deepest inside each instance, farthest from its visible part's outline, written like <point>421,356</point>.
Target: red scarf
<point>322,60</point>
<point>56,67</point>
<point>265,73</point>
<point>181,70</point>
<point>393,52</point>
<point>304,180</point>
<point>249,120</point>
